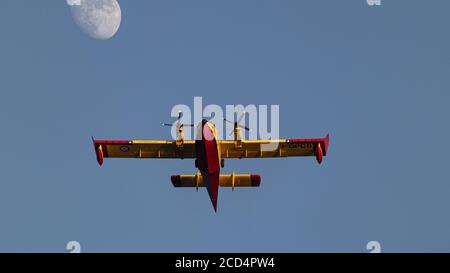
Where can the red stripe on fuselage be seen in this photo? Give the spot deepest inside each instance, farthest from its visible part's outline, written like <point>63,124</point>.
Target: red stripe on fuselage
<point>208,161</point>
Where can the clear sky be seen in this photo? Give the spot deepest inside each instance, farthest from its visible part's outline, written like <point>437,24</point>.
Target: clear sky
<point>375,78</point>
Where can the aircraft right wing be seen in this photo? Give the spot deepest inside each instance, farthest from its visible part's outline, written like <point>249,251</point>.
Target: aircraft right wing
<point>317,147</point>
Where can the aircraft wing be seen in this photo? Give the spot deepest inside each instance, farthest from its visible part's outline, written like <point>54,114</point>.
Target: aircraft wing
<point>143,149</point>
<point>275,148</point>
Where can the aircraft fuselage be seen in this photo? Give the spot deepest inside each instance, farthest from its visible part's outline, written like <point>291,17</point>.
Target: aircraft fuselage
<point>208,158</point>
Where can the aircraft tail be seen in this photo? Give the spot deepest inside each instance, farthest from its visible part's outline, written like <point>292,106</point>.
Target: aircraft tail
<point>225,180</point>
<point>214,180</point>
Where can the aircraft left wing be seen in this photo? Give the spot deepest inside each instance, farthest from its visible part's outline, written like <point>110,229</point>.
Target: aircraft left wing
<point>143,149</point>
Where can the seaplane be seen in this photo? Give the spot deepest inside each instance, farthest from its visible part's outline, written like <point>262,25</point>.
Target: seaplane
<point>209,154</point>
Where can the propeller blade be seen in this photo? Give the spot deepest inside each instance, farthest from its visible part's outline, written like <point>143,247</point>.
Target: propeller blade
<point>180,114</point>
<point>241,117</point>
<point>228,121</point>
<point>186,125</point>
<point>179,125</point>
<point>244,127</point>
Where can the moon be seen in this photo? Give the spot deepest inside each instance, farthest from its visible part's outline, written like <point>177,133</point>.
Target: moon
<point>100,19</point>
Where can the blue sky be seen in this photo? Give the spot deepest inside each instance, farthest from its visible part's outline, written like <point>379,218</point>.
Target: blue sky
<point>375,78</point>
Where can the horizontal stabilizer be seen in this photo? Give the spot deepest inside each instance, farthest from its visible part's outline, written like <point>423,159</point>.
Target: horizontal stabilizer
<point>225,180</point>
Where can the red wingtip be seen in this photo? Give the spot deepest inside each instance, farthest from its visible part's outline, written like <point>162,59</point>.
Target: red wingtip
<point>326,141</point>
<point>319,153</point>
<point>98,152</point>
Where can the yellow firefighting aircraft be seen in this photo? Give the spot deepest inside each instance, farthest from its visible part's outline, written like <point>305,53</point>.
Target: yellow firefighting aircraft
<point>209,153</point>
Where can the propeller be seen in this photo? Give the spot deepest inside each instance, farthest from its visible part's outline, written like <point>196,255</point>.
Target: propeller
<point>237,123</point>
<point>179,124</point>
